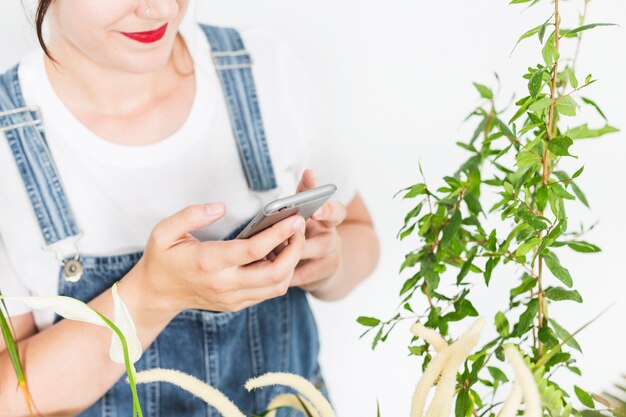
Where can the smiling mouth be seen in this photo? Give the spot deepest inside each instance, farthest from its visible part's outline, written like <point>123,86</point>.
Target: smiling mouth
<point>149,36</point>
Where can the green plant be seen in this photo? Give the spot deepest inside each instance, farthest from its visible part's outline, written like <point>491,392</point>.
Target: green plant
<point>463,243</point>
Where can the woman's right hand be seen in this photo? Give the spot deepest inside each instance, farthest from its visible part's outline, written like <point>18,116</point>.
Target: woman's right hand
<point>180,272</point>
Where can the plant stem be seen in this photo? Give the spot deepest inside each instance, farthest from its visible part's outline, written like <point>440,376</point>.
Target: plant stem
<point>550,133</point>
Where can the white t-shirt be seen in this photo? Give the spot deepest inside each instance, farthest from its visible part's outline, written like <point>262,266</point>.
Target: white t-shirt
<point>118,193</point>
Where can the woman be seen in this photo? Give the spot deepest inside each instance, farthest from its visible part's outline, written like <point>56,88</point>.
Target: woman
<point>146,120</point>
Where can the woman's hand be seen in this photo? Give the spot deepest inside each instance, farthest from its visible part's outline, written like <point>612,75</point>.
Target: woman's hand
<point>180,272</point>
<point>321,256</point>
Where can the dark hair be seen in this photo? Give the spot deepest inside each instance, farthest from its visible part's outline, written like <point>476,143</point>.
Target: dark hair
<point>42,9</point>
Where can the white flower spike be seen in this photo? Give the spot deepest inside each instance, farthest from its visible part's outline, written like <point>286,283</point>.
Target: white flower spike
<point>193,385</point>
<point>512,403</point>
<point>459,351</point>
<point>290,400</point>
<point>430,336</point>
<point>526,381</point>
<point>300,384</point>
<point>445,363</point>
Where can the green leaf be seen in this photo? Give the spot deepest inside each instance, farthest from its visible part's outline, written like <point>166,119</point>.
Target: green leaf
<point>368,321</point>
<point>526,318</point>
<point>413,213</point>
<point>410,283</point>
<point>536,30</point>
<point>465,268</point>
<point>489,266</point>
<point>572,77</point>
<point>556,204</point>
<point>527,284</point>
<point>564,335</point>
<point>566,106</point>
<point>473,204</point>
<point>406,232</point>
<point>561,294</point>
<point>462,405</point>
<point>584,397</point>
<point>377,337</point>
<point>557,189</point>
<point>451,229</point>
<point>579,194</point>
<point>549,51</point>
<point>560,145</point>
<point>535,82</point>
<point>525,247</point>
<point>584,247</point>
<point>497,374</point>
<point>577,173</point>
<point>541,197</point>
<point>416,190</point>
<point>584,132</point>
<point>485,92</point>
<point>502,324</point>
<point>547,337</point>
<point>541,104</point>
<point>572,32</point>
<point>560,272</point>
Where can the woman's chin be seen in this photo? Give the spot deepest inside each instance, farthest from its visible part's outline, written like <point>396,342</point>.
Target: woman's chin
<point>141,63</point>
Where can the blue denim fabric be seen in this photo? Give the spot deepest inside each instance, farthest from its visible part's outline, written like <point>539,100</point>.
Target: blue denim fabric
<point>223,349</point>
<point>23,129</point>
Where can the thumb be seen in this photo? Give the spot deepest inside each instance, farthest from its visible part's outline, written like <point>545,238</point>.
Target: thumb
<point>187,220</point>
<point>307,182</point>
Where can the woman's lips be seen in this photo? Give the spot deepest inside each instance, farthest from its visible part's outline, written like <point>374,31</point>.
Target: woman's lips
<point>149,36</point>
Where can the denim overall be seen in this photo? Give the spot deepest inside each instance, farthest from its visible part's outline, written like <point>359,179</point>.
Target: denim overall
<point>223,349</point>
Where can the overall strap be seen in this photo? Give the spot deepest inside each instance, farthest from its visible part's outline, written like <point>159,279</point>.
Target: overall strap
<point>234,68</point>
<point>23,129</point>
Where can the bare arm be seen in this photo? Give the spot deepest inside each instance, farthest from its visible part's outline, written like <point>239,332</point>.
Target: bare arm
<point>79,365</point>
<point>67,365</point>
<point>360,252</point>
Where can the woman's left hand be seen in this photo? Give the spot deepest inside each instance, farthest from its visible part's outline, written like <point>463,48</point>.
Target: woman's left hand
<point>321,258</point>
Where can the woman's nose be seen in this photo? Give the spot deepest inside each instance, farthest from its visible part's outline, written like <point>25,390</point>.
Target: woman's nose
<point>158,9</point>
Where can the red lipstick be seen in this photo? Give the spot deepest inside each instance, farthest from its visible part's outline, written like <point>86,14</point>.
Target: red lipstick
<point>149,36</point>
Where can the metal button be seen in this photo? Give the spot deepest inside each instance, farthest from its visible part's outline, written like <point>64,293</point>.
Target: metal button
<point>73,270</point>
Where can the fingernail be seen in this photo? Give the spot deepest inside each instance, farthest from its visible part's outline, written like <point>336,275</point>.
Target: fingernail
<point>298,224</point>
<point>213,209</point>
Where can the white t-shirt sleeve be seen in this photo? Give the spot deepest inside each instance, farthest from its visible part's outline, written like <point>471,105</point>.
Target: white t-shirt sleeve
<point>11,286</point>
<point>323,149</point>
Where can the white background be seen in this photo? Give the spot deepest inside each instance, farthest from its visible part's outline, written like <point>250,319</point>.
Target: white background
<point>398,74</point>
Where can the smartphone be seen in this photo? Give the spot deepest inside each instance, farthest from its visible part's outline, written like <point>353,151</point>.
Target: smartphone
<point>304,203</point>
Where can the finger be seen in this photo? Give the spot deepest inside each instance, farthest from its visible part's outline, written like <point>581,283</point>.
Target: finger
<point>270,273</point>
<point>331,214</point>
<point>319,246</point>
<point>279,249</point>
<point>247,297</point>
<point>239,252</point>
<point>307,181</point>
<point>186,220</point>
<point>312,271</point>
